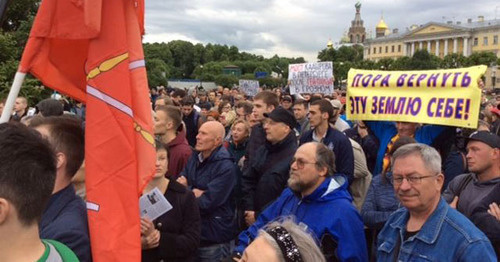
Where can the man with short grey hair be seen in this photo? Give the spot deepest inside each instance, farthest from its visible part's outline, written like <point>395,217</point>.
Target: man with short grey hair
<point>427,228</point>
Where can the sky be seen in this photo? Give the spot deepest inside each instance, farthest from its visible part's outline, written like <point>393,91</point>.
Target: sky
<point>292,28</point>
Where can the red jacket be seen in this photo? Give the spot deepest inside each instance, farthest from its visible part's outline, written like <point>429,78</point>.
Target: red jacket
<point>178,155</point>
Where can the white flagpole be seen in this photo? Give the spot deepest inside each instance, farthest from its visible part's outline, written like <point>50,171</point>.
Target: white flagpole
<point>14,91</point>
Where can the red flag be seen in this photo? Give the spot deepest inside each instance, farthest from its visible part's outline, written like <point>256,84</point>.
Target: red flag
<point>92,51</point>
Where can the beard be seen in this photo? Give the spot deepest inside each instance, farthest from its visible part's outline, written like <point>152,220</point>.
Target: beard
<point>298,185</point>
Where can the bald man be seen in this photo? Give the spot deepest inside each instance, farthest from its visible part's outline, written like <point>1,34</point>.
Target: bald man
<point>211,175</point>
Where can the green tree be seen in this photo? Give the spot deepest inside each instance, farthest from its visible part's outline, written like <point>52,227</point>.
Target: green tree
<point>17,12</point>
<point>157,71</point>
<point>226,80</point>
<point>481,58</point>
<point>454,61</point>
<point>422,60</point>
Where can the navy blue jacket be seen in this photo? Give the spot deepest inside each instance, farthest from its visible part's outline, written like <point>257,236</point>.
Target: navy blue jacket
<point>327,212</point>
<point>339,143</point>
<point>65,220</point>
<point>215,175</point>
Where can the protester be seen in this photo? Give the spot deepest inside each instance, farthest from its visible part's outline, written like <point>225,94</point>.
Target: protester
<point>360,133</point>
<point>243,110</point>
<point>277,238</point>
<point>28,174</point>
<point>300,111</point>
<point>50,107</point>
<point>339,123</point>
<point>381,201</point>
<point>263,102</point>
<point>65,217</point>
<point>177,95</point>
<point>238,143</point>
<point>314,197</point>
<point>192,119</point>
<point>320,112</point>
<point>388,132</point>
<point>286,103</point>
<point>486,216</point>
<point>175,235</point>
<point>268,170</point>
<point>468,191</point>
<point>20,108</point>
<point>168,127</point>
<point>362,176</point>
<point>427,227</point>
<point>483,160</point>
<point>211,174</point>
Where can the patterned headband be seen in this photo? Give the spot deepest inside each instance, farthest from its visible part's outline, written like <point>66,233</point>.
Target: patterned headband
<point>285,241</point>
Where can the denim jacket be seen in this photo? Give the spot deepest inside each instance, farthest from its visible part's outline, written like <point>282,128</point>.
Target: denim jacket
<point>447,235</point>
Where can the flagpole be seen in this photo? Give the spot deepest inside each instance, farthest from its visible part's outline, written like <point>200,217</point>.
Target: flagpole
<point>14,91</point>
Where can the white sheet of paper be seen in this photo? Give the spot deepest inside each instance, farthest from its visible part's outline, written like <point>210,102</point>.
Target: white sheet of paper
<point>153,204</point>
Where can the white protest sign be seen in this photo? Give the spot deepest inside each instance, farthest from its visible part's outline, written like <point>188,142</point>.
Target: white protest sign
<point>154,204</point>
<point>250,87</point>
<point>311,78</point>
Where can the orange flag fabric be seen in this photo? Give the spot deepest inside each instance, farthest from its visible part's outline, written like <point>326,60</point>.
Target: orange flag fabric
<point>91,50</point>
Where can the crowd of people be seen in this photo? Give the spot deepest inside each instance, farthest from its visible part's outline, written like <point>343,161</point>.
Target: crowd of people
<point>273,177</point>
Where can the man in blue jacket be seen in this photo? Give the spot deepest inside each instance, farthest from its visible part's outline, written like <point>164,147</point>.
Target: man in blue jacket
<point>389,132</point>
<point>318,198</point>
<point>211,174</point>
<point>320,112</point>
<point>427,228</point>
<point>65,218</point>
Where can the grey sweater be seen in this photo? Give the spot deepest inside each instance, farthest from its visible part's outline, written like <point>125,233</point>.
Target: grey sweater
<point>472,195</point>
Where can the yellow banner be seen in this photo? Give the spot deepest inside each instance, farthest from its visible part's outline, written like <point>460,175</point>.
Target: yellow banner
<point>446,97</point>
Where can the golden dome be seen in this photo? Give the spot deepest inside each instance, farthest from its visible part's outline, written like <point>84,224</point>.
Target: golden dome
<point>382,24</point>
<point>330,43</point>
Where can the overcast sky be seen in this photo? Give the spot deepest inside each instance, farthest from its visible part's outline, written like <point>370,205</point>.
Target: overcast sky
<point>294,28</point>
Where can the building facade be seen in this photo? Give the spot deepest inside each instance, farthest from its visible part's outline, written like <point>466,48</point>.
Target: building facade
<point>439,39</point>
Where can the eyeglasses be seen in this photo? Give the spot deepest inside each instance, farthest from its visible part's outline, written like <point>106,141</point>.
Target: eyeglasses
<point>412,180</point>
<point>301,163</point>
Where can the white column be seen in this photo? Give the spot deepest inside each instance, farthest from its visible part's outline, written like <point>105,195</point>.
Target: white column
<point>445,47</point>
<point>455,45</point>
<point>437,48</point>
<point>429,46</point>
<point>420,45</point>
<point>405,50</point>
<point>466,46</point>
<point>412,48</point>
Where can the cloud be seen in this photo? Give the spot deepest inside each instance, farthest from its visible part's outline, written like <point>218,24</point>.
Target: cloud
<point>293,28</point>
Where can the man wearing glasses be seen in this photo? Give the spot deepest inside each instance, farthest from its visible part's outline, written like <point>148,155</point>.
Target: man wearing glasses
<point>316,196</point>
<point>427,227</point>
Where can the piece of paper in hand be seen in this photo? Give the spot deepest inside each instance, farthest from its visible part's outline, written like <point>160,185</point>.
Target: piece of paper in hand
<point>153,204</point>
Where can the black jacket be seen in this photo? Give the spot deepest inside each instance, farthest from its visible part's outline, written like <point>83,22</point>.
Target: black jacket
<point>257,138</point>
<point>369,144</point>
<point>179,228</point>
<point>267,173</point>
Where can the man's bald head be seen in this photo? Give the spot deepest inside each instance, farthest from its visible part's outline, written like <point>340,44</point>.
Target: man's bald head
<point>210,136</point>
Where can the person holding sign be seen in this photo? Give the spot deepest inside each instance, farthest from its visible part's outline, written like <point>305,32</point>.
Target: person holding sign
<point>175,235</point>
<point>389,132</point>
